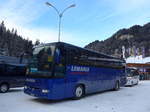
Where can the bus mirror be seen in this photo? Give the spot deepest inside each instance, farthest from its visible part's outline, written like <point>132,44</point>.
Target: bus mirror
<point>57,56</point>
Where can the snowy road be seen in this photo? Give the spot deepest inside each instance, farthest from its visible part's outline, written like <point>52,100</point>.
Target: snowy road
<point>127,99</point>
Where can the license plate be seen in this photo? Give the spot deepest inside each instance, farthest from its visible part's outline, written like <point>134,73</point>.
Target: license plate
<point>32,94</point>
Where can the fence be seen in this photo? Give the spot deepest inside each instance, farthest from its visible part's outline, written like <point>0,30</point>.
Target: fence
<point>145,76</point>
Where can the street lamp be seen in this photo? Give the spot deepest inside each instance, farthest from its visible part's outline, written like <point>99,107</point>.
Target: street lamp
<point>60,15</point>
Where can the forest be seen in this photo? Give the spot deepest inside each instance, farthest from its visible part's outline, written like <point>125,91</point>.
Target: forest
<point>12,44</point>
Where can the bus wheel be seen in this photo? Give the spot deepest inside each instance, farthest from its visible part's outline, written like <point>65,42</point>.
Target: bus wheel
<point>132,83</point>
<point>79,92</point>
<point>117,86</point>
<point>4,88</point>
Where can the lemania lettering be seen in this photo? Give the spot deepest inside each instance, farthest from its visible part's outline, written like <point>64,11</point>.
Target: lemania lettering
<point>79,69</point>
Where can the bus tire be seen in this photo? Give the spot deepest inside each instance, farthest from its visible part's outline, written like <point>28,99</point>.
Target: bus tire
<point>117,86</point>
<point>132,84</point>
<point>79,92</point>
<point>137,83</point>
<point>4,87</point>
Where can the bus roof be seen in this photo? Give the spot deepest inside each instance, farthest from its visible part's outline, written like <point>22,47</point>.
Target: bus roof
<point>73,46</point>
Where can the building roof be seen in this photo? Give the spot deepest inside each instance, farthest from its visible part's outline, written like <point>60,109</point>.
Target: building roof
<point>11,60</point>
<point>138,59</point>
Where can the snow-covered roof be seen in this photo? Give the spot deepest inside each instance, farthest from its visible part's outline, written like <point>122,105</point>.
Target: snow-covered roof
<point>11,60</point>
<point>138,59</point>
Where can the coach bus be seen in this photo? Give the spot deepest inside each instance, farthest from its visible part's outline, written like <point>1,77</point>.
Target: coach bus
<point>60,70</point>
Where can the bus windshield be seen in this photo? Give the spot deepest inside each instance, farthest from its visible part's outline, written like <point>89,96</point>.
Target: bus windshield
<point>132,72</point>
<point>41,61</point>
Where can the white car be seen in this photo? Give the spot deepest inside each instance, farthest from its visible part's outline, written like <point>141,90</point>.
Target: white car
<point>132,77</point>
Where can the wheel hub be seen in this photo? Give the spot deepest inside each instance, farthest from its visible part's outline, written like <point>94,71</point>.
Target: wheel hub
<point>79,92</point>
<point>3,88</point>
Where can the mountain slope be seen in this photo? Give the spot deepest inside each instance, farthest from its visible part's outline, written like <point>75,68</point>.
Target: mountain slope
<point>134,39</point>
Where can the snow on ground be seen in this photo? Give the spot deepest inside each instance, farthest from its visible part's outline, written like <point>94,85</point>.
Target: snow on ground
<point>127,99</point>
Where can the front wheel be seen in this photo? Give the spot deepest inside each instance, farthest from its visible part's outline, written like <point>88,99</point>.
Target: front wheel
<point>4,88</point>
<point>137,83</point>
<point>79,92</point>
<point>117,86</point>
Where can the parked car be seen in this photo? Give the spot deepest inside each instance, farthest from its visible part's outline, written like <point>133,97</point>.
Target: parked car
<point>11,75</point>
<point>132,76</point>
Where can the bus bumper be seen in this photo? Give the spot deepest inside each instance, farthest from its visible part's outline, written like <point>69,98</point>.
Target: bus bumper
<point>41,93</point>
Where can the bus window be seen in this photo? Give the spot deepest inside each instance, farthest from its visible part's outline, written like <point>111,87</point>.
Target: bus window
<point>42,61</point>
<point>59,63</point>
<point>135,73</point>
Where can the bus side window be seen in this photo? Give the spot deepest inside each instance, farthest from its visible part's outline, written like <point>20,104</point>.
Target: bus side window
<point>71,57</point>
<point>59,63</point>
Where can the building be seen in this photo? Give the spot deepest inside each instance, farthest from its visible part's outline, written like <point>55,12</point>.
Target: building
<point>142,64</point>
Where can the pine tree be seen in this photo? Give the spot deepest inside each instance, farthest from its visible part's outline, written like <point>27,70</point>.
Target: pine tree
<point>12,44</point>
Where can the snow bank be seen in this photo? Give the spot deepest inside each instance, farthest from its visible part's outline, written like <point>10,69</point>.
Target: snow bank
<point>127,99</point>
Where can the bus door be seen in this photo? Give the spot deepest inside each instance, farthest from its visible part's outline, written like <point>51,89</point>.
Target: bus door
<point>59,81</point>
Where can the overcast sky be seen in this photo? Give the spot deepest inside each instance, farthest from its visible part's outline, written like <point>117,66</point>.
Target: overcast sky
<point>90,20</point>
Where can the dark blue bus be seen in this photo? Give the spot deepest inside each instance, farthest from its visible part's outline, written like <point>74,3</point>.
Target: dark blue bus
<point>60,70</point>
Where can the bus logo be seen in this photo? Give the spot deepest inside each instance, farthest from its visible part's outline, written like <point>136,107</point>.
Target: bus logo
<point>79,69</point>
<point>30,80</point>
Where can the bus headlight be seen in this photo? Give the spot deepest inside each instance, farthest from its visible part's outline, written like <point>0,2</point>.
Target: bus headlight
<point>27,71</point>
<point>45,91</point>
<point>129,78</point>
<point>25,87</point>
